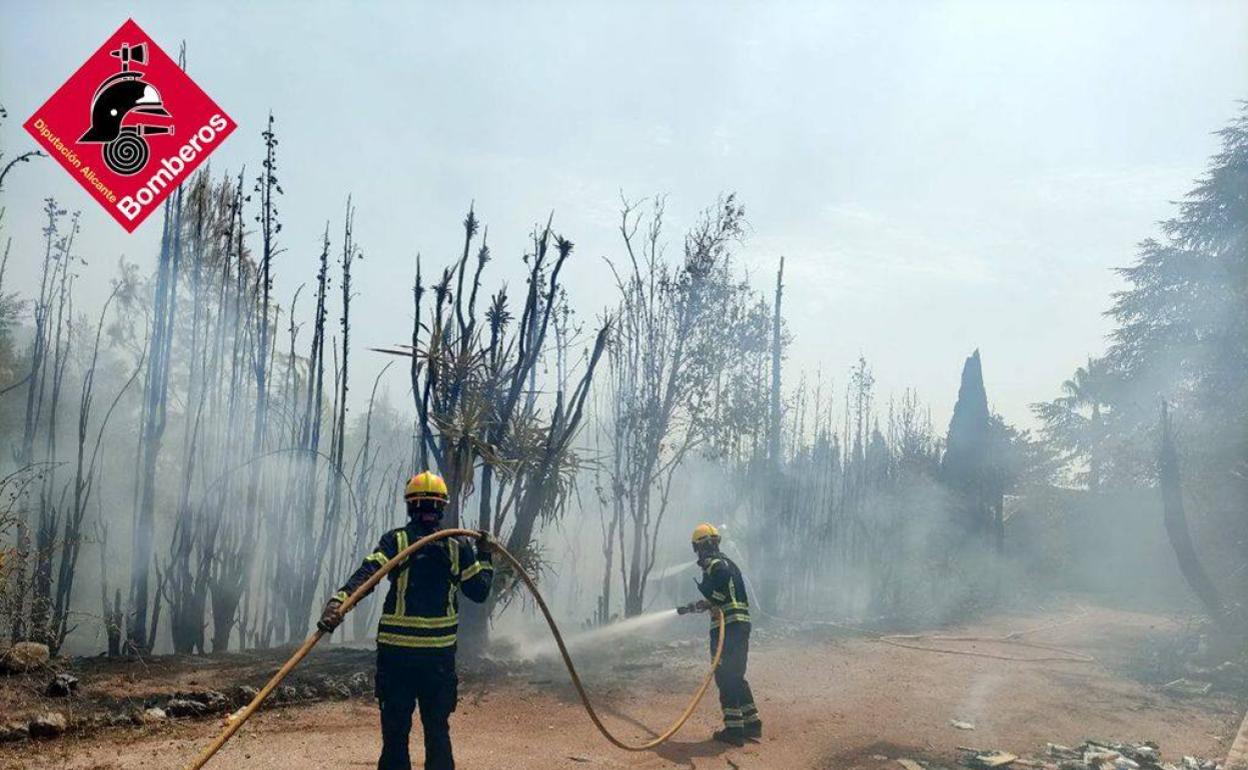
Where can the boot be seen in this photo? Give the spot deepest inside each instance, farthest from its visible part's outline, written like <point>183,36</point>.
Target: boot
<point>733,736</point>
<point>753,731</point>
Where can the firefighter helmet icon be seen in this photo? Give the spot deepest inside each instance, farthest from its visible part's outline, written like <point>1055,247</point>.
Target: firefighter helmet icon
<point>121,95</point>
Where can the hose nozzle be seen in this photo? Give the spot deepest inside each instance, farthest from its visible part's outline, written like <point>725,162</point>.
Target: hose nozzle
<point>692,607</point>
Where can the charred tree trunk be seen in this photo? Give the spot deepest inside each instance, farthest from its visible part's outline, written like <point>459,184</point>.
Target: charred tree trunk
<point>769,576</point>
<point>138,632</point>
<point>1175,517</point>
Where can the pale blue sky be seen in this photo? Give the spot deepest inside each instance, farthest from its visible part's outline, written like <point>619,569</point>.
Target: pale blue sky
<point>940,176</point>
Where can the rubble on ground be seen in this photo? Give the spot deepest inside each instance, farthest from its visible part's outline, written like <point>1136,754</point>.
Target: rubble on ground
<point>62,686</point>
<point>990,759</point>
<point>1090,755</point>
<point>98,713</point>
<point>14,731</point>
<point>1197,661</point>
<point>182,707</point>
<point>48,725</point>
<point>153,715</point>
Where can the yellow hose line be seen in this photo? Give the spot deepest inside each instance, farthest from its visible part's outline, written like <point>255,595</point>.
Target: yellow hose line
<point>237,721</point>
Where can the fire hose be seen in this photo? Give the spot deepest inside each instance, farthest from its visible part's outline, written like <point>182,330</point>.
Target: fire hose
<point>242,716</point>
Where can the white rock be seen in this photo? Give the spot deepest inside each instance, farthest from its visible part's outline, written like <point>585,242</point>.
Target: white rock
<point>154,715</point>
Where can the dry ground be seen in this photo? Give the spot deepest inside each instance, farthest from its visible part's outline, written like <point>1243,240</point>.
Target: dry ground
<point>827,702</point>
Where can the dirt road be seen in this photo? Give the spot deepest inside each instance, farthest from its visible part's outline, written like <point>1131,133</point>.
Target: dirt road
<point>826,703</point>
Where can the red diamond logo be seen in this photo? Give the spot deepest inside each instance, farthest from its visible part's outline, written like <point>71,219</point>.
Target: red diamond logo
<point>130,125</point>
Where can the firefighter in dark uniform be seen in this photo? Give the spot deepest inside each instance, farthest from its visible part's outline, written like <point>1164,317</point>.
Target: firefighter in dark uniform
<point>723,587</point>
<point>416,636</point>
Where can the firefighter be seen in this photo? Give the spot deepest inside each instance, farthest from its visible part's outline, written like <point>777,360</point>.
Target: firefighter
<point>416,636</point>
<point>723,587</point>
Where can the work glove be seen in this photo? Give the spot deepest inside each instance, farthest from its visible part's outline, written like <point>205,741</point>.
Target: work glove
<point>330,616</point>
<point>485,546</point>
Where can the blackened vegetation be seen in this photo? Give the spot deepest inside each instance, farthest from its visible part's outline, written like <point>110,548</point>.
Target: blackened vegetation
<point>505,448</point>
<point>225,448</point>
<point>201,447</point>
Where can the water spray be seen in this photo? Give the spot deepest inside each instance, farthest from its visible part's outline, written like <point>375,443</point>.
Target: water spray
<point>607,632</point>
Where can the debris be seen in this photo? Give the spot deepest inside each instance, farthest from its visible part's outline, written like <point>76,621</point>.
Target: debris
<point>119,718</point>
<point>578,758</point>
<point>242,694</point>
<point>285,694</point>
<point>1187,687</point>
<point>13,732</point>
<point>961,724</point>
<point>359,683</point>
<point>61,686</point>
<point>25,656</point>
<point>48,725</point>
<point>183,707</point>
<point>1111,755</point>
<point>910,764</point>
<point>991,759</point>
<point>153,714</point>
<point>212,700</point>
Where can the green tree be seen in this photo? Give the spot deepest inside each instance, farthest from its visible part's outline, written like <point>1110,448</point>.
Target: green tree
<point>1075,423</point>
<point>1181,339</point>
<point>966,467</point>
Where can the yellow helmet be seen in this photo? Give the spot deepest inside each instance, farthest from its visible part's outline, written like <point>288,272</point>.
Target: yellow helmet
<point>426,485</point>
<point>704,532</point>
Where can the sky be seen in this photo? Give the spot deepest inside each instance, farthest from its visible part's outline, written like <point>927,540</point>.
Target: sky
<point>940,176</point>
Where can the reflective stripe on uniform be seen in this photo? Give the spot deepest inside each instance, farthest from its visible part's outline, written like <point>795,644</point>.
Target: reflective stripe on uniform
<point>417,632</point>
<point>378,557</point>
<point>447,621</point>
<point>735,611</point>
<point>400,596</point>
<point>341,596</point>
<point>452,548</point>
<point>416,642</point>
<point>736,616</point>
<point>476,567</point>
